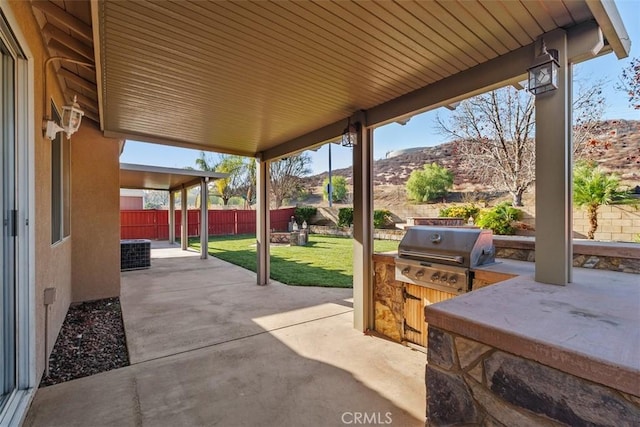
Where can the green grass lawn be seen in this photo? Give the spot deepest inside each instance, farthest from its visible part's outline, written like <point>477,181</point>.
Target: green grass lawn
<point>325,261</point>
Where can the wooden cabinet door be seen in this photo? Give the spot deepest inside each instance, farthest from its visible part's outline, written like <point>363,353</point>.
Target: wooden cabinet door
<point>416,298</point>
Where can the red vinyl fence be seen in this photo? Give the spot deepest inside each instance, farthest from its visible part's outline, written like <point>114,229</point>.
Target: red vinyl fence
<point>154,224</point>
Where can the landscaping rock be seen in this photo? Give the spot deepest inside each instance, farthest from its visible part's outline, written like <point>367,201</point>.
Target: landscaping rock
<point>91,340</point>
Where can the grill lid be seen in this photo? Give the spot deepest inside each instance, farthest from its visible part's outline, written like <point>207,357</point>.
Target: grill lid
<point>466,247</point>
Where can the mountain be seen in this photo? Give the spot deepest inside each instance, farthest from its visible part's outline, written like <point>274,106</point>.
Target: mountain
<point>618,151</point>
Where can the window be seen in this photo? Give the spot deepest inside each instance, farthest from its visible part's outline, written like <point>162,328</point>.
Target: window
<point>60,183</point>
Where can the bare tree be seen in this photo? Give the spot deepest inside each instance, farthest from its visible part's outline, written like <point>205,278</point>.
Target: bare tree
<point>495,135</point>
<point>495,139</point>
<point>156,199</point>
<point>630,83</point>
<point>589,138</point>
<point>286,176</point>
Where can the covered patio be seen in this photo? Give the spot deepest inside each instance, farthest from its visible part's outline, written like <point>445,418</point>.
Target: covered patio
<point>208,347</point>
<point>269,79</point>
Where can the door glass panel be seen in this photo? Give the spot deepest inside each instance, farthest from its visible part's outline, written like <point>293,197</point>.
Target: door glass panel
<point>7,244</point>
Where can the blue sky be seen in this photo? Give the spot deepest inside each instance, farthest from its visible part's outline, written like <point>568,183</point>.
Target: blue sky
<point>421,130</point>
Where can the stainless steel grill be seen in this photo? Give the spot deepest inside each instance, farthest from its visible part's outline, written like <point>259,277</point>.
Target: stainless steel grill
<point>442,257</point>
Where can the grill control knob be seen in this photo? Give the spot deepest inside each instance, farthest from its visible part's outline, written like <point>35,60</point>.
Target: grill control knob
<point>453,280</point>
<point>443,278</point>
<point>435,277</point>
<point>406,270</point>
<point>420,273</point>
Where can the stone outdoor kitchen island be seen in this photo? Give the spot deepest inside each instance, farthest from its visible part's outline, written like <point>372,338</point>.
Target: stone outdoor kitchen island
<point>521,353</point>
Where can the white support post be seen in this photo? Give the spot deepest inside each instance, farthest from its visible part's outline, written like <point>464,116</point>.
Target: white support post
<point>554,251</point>
<point>204,218</point>
<point>363,313</point>
<point>184,229</point>
<point>263,221</point>
<point>172,217</point>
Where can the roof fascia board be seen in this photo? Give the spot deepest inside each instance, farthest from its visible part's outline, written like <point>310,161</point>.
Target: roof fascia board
<point>172,171</point>
<point>97,58</point>
<point>172,142</point>
<point>608,18</point>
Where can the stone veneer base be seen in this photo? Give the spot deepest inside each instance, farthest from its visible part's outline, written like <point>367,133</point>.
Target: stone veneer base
<point>525,353</point>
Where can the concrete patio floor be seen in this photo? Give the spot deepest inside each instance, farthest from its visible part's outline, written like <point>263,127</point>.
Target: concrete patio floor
<point>209,347</point>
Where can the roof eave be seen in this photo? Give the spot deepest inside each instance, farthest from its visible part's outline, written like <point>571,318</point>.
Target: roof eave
<point>608,18</point>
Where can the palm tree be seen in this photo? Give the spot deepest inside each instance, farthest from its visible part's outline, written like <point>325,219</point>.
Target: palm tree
<point>592,187</point>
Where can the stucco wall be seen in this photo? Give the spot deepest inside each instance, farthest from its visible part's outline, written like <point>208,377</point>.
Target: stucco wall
<point>52,262</point>
<point>95,219</point>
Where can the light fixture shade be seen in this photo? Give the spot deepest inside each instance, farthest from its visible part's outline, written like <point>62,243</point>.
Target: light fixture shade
<point>71,118</point>
<point>543,74</point>
<point>350,135</point>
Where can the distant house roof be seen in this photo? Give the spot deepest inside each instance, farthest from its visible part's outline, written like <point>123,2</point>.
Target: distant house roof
<point>161,178</point>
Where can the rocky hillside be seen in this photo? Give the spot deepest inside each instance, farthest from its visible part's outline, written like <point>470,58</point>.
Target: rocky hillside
<point>619,152</point>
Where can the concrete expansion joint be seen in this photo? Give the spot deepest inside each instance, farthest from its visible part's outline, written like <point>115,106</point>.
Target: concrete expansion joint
<point>241,338</point>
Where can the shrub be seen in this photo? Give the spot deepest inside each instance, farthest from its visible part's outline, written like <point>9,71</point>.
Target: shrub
<point>460,211</point>
<point>500,218</point>
<point>304,213</point>
<point>381,218</point>
<point>345,217</point>
<point>339,184</point>
<point>429,183</point>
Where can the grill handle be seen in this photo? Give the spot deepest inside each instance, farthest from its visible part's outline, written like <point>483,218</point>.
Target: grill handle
<point>423,255</point>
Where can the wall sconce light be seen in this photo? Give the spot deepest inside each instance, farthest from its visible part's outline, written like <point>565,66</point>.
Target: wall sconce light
<point>543,74</point>
<point>350,135</point>
<point>71,118</point>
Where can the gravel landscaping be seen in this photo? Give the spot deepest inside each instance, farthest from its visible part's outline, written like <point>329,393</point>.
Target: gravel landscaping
<point>91,340</point>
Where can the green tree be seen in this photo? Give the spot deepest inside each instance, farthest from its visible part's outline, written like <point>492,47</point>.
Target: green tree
<point>429,183</point>
<point>339,184</point>
<point>592,187</point>
<point>234,166</point>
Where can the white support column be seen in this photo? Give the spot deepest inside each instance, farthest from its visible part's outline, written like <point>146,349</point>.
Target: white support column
<point>184,229</point>
<point>263,221</point>
<point>204,218</point>
<point>172,217</point>
<point>554,251</point>
<point>363,314</point>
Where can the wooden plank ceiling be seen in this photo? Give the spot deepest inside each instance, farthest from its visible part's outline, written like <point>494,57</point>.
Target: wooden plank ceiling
<point>245,76</point>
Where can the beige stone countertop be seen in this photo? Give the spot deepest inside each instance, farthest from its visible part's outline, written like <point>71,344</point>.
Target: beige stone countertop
<point>589,328</point>
<point>509,266</point>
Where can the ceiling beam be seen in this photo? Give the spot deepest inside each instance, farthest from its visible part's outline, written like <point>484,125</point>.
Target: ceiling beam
<point>92,116</point>
<point>72,43</point>
<point>307,141</point>
<point>83,100</point>
<point>64,18</point>
<point>68,53</point>
<point>505,69</point>
<point>84,83</point>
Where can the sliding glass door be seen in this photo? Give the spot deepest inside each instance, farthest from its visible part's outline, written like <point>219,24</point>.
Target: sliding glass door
<point>8,371</point>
